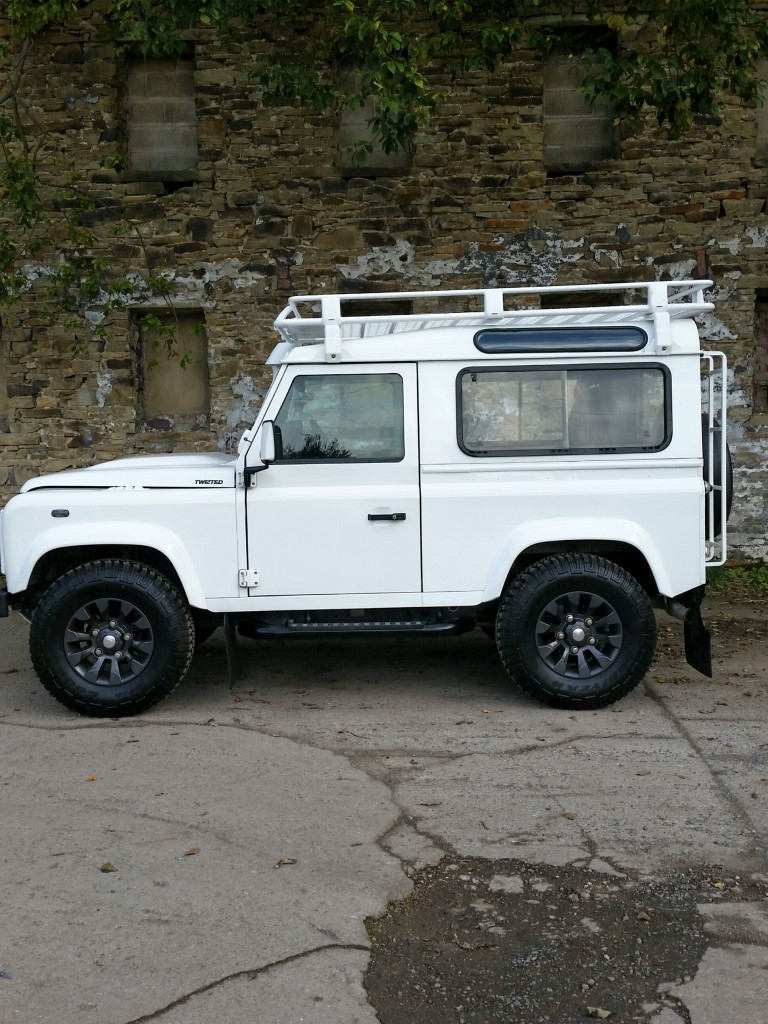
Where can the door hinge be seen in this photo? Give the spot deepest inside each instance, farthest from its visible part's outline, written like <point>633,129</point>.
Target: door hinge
<point>248,578</point>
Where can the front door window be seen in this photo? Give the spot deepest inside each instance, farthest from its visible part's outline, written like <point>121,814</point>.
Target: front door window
<point>349,418</point>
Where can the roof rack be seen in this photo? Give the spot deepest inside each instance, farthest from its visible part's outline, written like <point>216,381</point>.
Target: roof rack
<point>323,321</point>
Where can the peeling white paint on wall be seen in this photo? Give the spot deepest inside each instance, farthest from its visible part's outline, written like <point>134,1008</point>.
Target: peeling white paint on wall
<point>683,270</point>
<point>712,329</point>
<point>737,399</point>
<point>599,254</point>
<point>532,258</point>
<point>748,527</point>
<point>758,237</point>
<point>398,259</point>
<point>193,284</point>
<point>32,272</point>
<point>181,287</point>
<point>241,412</point>
<point>104,384</point>
<point>231,269</point>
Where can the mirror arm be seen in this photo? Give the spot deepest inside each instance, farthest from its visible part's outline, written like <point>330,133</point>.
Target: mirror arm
<point>251,471</point>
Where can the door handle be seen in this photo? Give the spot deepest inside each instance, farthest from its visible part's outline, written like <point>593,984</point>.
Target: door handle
<point>392,517</point>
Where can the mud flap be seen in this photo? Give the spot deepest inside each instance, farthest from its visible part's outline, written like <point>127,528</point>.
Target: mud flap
<point>698,648</point>
<point>231,646</point>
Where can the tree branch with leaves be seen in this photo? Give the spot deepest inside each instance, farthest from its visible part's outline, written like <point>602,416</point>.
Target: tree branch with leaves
<point>674,59</point>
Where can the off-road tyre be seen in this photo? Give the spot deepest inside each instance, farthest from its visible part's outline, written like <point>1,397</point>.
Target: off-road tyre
<point>590,660</point>
<point>111,638</point>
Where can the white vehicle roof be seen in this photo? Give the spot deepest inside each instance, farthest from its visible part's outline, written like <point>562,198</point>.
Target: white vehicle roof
<point>443,325</point>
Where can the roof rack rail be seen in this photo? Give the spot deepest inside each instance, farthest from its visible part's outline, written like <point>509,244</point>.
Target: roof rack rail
<point>323,321</point>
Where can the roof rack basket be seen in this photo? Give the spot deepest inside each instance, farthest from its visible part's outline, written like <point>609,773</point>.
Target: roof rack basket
<point>320,319</point>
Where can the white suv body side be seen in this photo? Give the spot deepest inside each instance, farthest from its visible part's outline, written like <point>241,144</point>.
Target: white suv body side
<point>445,468</point>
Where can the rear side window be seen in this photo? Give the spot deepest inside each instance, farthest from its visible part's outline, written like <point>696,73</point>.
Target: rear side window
<point>561,411</point>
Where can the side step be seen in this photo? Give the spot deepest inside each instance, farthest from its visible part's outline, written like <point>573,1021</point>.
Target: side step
<point>365,627</point>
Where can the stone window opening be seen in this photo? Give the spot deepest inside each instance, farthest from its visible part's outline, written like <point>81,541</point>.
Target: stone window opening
<point>172,369</point>
<point>579,300</point>
<point>760,370</point>
<point>761,115</point>
<point>578,135</point>
<point>355,131</point>
<point>377,307</point>
<point>162,121</point>
<point>5,411</point>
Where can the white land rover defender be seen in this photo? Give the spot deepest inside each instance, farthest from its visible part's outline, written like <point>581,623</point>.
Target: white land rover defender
<point>491,458</point>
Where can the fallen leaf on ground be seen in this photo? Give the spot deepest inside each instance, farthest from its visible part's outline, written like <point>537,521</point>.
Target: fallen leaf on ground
<point>285,861</point>
<point>191,851</point>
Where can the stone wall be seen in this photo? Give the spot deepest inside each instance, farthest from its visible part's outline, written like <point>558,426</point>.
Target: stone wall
<point>268,213</point>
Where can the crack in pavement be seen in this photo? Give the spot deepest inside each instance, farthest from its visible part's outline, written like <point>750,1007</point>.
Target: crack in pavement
<point>729,798</point>
<point>247,974</point>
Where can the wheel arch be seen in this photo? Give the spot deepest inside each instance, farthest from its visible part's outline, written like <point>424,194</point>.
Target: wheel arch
<point>636,554</point>
<point>52,564</point>
<point>625,555</point>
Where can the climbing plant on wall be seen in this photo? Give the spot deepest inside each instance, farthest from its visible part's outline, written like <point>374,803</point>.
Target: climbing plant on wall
<point>674,58</point>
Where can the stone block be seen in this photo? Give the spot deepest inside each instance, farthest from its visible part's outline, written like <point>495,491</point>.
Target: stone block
<point>18,440</point>
<point>341,239</point>
<point>20,474</point>
<point>743,209</point>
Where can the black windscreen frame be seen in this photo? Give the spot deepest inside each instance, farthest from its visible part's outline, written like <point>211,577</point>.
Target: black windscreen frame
<point>560,339</point>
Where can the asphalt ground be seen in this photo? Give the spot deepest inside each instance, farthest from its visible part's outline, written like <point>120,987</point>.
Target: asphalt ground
<point>387,830</point>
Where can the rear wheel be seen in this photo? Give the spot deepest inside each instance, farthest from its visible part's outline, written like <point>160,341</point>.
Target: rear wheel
<point>111,638</point>
<point>576,631</point>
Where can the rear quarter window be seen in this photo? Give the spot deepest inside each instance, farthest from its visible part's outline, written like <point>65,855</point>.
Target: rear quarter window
<point>573,410</point>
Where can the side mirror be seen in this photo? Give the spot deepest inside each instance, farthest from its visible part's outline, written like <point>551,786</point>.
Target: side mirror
<point>267,446</point>
<point>266,442</point>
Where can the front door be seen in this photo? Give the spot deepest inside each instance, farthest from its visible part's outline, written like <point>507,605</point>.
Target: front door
<point>338,511</point>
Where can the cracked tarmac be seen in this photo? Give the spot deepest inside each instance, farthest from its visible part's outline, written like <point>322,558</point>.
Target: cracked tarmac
<point>251,834</point>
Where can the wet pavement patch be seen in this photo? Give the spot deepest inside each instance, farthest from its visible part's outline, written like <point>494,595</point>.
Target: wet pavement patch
<point>480,942</point>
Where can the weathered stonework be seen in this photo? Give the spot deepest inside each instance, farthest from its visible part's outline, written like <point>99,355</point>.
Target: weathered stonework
<point>269,214</point>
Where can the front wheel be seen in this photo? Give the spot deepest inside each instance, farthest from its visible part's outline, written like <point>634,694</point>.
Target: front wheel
<point>576,631</point>
<point>111,638</point>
